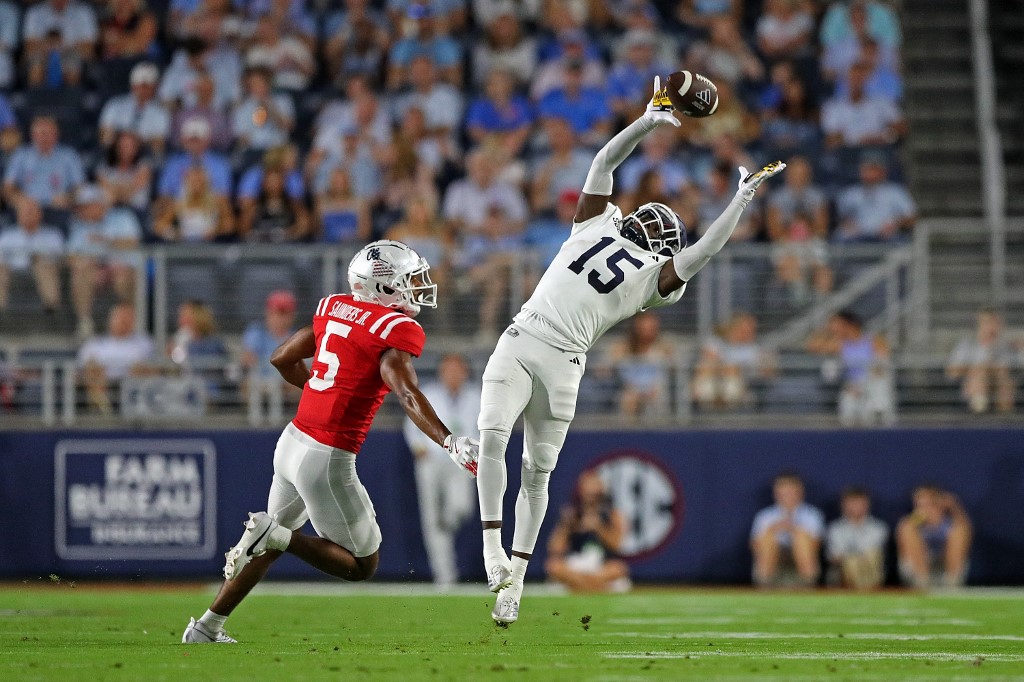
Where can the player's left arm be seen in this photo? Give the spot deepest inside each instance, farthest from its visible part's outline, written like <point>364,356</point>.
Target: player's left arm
<point>289,359</point>
<point>398,373</point>
<point>688,262</point>
<point>598,186</point>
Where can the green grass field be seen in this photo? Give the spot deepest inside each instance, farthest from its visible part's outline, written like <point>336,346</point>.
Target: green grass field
<point>60,632</point>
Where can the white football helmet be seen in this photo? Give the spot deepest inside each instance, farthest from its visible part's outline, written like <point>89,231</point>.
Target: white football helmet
<point>391,274</point>
<point>656,228</point>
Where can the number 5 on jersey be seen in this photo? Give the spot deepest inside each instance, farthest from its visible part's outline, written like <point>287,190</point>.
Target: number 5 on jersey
<point>333,328</point>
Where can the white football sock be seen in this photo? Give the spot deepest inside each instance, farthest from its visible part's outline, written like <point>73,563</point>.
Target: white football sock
<point>490,476</point>
<point>518,573</point>
<point>493,550</point>
<point>212,621</point>
<point>279,539</point>
<point>531,506</point>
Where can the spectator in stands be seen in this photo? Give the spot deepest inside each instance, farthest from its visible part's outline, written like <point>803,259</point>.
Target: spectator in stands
<point>423,35</point>
<point>798,196</point>
<point>725,56</point>
<point>290,16</point>
<point>274,216</point>
<point>728,363</point>
<point>283,159</point>
<point>505,46</point>
<point>733,119</point>
<point>500,116</point>
<point>933,542</point>
<point>198,213</point>
<point>586,108</point>
<point>424,232</point>
<point>842,19</point>
<point>195,57</point>
<point>342,216</point>
<point>716,195</point>
<point>10,40</point>
<point>195,345</point>
<point>789,120</point>
<point>31,245</point>
<point>121,352</point>
<point>204,105</point>
<point>545,235</point>
<point>800,259</point>
<point>867,394</point>
<point>699,15</point>
<point>138,112</point>
<point>445,501</point>
<point>286,56</point>
<point>786,537</point>
<point>450,15</point>
<point>488,257</point>
<point>261,339</point>
<point>10,136</point>
<point>982,364</point>
<point>785,30</point>
<point>658,154</point>
<point>262,119</point>
<point>883,80</point>
<point>60,37</point>
<point>583,550</point>
<point>563,168</point>
<point>129,31</point>
<point>102,247</point>
<point>574,52</point>
<point>859,119</point>
<point>45,171</point>
<point>360,111</point>
<point>855,543</point>
<point>643,361</point>
<point>467,201</point>
<point>196,154</point>
<point>875,209</point>
<point>356,47</point>
<point>441,103</point>
<point>632,73</point>
<point>125,174</point>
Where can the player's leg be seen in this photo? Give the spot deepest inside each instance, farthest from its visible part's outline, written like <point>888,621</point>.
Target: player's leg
<point>507,387</point>
<point>546,421</point>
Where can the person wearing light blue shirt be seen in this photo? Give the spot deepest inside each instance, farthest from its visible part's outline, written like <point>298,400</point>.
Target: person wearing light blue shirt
<point>31,245</point>
<point>874,210</point>
<point>46,171</point>
<point>786,537</point>
<point>441,103</point>
<point>584,107</point>
<point>195,135</point>
<point>10,20</point>
<point>263,119</point>
<point>137,111</point>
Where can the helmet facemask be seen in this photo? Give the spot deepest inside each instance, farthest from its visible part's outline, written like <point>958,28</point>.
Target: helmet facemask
<point>656,228</point>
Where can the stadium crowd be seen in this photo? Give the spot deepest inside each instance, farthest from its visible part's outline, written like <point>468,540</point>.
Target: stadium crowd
<point>464,129</point>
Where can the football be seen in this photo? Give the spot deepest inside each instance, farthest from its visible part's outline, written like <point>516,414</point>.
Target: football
<point>692,94</point>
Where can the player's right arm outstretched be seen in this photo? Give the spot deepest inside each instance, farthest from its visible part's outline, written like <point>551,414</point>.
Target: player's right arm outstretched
<point>398,373</point>
<point>598,186</point>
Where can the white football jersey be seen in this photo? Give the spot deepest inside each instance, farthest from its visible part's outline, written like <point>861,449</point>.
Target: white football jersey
<point>598,279</point>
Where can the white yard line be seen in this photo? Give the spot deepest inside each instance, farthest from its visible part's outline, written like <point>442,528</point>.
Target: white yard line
<point>819,655</point>
<point>894,636</point>
<point>724,620</point>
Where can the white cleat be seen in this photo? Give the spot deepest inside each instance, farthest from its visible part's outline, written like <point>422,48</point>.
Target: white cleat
<point>197,633</point>
<point>499,576</point>
<point>253,543</point>
<point>506,608</point>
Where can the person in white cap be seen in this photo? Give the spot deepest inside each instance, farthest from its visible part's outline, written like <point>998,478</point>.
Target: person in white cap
<point>195,141</point>
<point>101,239</point>
<point>138,111</point>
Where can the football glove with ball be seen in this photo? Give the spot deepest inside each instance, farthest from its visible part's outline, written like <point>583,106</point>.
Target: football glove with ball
<point>659,109</point>
<point>749,182</point>
<point>464,451</point>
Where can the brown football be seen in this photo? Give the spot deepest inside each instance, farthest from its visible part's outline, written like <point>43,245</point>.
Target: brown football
<point>692,94</point>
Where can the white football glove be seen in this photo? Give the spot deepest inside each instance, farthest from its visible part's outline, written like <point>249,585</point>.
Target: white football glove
<point>464,451</point>
<point>659,109</point>
<point>749,182</point>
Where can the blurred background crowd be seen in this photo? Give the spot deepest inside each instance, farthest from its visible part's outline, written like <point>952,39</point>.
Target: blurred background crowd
<point>465,129</point>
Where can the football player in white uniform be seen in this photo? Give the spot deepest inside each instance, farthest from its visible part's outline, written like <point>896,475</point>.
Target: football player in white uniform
<point>609,269</point>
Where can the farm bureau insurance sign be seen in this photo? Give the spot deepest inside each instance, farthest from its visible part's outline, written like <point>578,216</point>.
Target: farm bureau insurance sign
<point>135,499</point>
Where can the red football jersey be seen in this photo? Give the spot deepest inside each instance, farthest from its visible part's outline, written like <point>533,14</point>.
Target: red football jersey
<point>345,388</point>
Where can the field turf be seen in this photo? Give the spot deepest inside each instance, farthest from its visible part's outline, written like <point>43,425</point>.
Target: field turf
<point>97,633</point>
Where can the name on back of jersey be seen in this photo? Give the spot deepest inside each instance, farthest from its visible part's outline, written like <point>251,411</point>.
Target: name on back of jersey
<point>348,313</point>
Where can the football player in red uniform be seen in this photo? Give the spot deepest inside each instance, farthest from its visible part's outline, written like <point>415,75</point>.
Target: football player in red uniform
<point>362,347</point>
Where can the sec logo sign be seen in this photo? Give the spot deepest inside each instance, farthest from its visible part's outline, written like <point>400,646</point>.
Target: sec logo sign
<point>649,497</point>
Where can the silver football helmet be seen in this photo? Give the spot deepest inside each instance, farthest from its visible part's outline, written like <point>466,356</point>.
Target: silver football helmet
<point>656,228</point>
<point>391,274</point>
